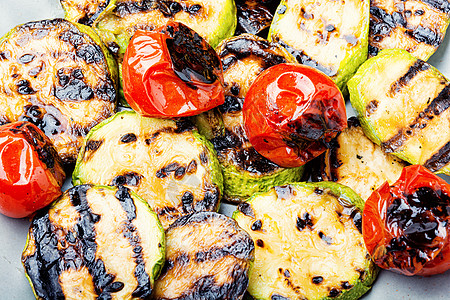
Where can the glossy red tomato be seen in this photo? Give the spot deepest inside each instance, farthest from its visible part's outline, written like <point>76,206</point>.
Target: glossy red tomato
<point>31,173</point>
<point>406,226</point>
<point>171,72</point>
<point>291,112</point>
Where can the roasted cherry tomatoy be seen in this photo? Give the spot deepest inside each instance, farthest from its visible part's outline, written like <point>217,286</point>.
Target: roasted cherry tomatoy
<point>406,226</point>
<point>291,112</point>
<point>31,172</point>
<point>171,72</point>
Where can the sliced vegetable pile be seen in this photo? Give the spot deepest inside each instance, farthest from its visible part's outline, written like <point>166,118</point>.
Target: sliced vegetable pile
<point>247,122</point>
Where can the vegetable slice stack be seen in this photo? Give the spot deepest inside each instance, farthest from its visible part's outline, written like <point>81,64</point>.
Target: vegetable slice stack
<point>165,162</point>
<point>94,242</point>
<point>308,243</point>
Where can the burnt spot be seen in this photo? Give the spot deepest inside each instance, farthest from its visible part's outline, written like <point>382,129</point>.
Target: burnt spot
<point>328,240</point>
<point>180,172</point>
<point>166,170</point>
<point>167,8</point>
<point>71,86</point>
<point>90,53</point>
<point>248,159</point>
<point>346,285</point>
<point>24,87</point>
<point>286,273</point>
<point>33,72</point>
<point>256,226</point>
<point>204,158</point>
<point>278,297</point>
<point>187,199</point>
<point>442,5</point>
<point>246,209</point>
<point>231,104</point>
<point>26,59</point>
<point>192,167</point>
<point>253,16</point>
<point>418,66</point>
<point>92,145</point>
<point>130,179</point>
<point>149,140</point>
<point>166,210</point>
<point>228,140</point>
<point>128,138</point>
<point>439,159</point>
<point>334,292</point>
<point>210,200</point>
<point>317,279</point>
<point>285,192</point>
<point>260,243</point>
<point>88,18</point>
<point>304,222</point>
<point>5,55</point>
<point>371,107</point>
<point>48,122</point>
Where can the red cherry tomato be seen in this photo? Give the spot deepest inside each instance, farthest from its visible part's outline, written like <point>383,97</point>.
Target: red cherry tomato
<point>31,172</point>
<point>406,226</point>
<point>291,112</point>
<point>171,72</point>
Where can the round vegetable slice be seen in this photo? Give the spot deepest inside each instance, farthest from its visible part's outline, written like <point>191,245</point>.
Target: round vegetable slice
<point>406,225</point>
<point>291,112</point>
<point>171,72</point>
<point>166,162</point>
<point>208,257</point>
<point>94,242</point>
<point>308,243</point>
<point>31,172</point>
<point>59,76</point>
<point>329,36</point>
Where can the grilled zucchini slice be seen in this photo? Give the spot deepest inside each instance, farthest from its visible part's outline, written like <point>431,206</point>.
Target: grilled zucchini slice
<point>86,12</point>
<point>245,171</point>
<point>208,257</point>
<point>59,76</point>
<point>355,161</point>
<point>403,105</point>
<point>166,162</point>
<point>94,242</point>
<point>415,26</point>
<point>331,36</point>
<point>308,243</point>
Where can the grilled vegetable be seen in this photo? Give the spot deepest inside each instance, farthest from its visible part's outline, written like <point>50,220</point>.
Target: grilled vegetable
<point>406,225</point>
<point>171,72</point>
<point>31,172</point>
<point>58,76</point>
<point>245,171</point>
<point>254,16</point>
<point>415,26</point>
<point>331,36</point>
<point>86,12</point>
<point>94,242</point>
<point>208,257</point>
<point>308,243</point>
<point>165,162</point>
<point>403,105</point>
<point>291,112</point>
<point>355,161</point>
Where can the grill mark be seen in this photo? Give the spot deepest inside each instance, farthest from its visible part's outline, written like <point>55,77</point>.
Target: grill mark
<point>232,104</point>
<point>130,179</point>
<point>187,199</point>
<point>168,8</point>
<point>128,138</point>
<point>166,170</point>
<point>435,108</point>
<point>438,160</point>
<point>90,148</point>
<point>144,288</point>
<point>441,5</point>
<point>418,66</point>
<point>246,209</point>
<point>210,200</point>
<point>241,249</point>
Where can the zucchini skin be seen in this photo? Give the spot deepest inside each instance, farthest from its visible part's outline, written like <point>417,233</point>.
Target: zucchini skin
<point>59,76</point>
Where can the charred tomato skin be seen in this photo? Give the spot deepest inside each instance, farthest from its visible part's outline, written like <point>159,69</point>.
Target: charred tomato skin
<point>291,112</point>
<point>406,226</point>
<point>171,72</point>
<point>31,172</point>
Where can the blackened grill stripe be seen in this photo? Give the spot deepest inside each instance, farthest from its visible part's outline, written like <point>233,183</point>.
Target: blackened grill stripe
<point>418,66</point>
<point>442,5</point>
<point>439,159</point>
<point>144,287</point>
<point>435,108</point>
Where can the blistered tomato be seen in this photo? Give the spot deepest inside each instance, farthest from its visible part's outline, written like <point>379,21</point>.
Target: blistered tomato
<point>291,112</point>
<point>171,72</point>
<point>31,172</point>
<point>406,226</point>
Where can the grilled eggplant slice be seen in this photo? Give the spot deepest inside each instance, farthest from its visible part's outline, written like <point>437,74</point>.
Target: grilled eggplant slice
<point>245,171</point>
<point>94,242</point>
<point>331,36</point>
<point>86,12</point>
<point>355,161</point>
<point>208,257</point>
<point>403,105</point>
<point>59,76</point>
<point>166,162</point>
<point>308,243</point>
<point>415,26</point>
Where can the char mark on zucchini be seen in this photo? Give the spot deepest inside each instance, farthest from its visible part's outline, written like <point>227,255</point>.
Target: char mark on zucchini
<point>168,8</point>
<point>439,159</point>
<point>129,178</point>
<point>403,81</point>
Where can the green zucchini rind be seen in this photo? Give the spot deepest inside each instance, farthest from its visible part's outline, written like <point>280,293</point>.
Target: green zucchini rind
<point>308,243</point>
<point>59,76</point>
<point>416,26</point>
<point>208,257</point>
<point>245,171</point>
<point>331,36</point>
<point>355,161</point>
<point>70,254</point>
<point>165,162</point>
<point>403,105</point>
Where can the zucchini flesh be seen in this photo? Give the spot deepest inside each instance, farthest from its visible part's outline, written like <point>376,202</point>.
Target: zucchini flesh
<point>308,243</point>
<point>403,105</point>
<point>69,254</point>
<point>208,257</point>
<point>85,12</point>
<point>165,162</point>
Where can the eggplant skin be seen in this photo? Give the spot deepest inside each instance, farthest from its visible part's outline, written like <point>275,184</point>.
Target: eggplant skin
<point>69,253</point>
<point>59,76</point>
<point>208,257</point>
